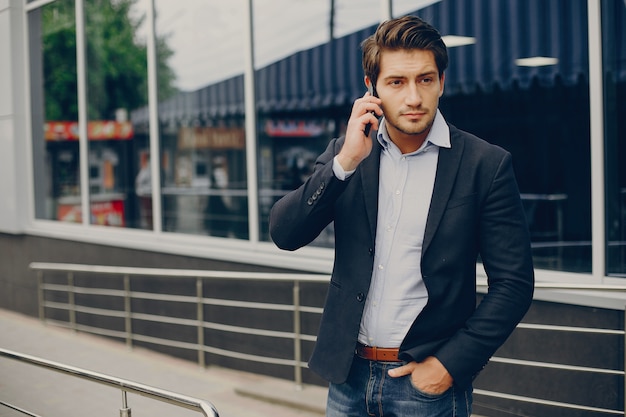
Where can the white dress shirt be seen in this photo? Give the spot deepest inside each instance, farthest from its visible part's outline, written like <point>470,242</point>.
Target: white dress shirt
<point>397,292</point>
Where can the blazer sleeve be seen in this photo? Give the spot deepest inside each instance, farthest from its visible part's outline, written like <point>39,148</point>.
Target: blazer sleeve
<point>301,215</point>
<point>504,246</point>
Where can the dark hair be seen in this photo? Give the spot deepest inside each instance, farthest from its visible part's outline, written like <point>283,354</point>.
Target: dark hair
<point>408,32</point>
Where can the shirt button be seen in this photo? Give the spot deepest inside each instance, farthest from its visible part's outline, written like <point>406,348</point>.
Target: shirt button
<point>381,266</point>
<point>397,192</point>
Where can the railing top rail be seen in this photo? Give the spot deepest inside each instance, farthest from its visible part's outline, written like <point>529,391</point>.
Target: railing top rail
<point>267,276</point>
<point>169,397</point>
<point>180,273</point>
<point>569,286</point>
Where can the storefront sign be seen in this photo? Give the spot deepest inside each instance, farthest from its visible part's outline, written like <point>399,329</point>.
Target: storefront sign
<point>104,213</point>
<point>211,138</point>
<point>292,128</point>
<point>96,130</point>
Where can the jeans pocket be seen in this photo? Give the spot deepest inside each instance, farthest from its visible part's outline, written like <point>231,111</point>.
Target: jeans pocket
<point>427,395</point>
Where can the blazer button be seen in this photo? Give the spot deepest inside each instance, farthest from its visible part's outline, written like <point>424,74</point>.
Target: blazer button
<point>360,297</point>
<point>371,251</point>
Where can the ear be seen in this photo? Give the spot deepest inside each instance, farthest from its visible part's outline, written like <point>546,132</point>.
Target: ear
<point>367,81</point>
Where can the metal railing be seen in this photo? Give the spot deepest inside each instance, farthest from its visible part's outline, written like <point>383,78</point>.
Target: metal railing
<point>199,300</point>
<point>125,386</point>
<point>295,308</point>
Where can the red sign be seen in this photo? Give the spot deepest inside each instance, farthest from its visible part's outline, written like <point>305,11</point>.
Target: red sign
<point>104,213</point>
<point>96,130</point>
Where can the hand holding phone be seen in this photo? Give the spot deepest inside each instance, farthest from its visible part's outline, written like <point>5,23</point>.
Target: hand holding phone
<point>358,144</point>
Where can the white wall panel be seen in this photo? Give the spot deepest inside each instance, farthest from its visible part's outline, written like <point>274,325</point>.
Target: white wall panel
<point>13,183</point>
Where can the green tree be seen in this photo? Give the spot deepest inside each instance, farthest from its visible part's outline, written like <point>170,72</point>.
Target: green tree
<point>58,40</point>
<point>116,60</point>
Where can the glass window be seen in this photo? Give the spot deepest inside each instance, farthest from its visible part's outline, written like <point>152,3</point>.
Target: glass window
<point>614,55</point>
<point>518,73</point>
<point>518,77</point>
<point>201,117</point>
<point>307,72</point>
<point>52,36</point>
<point>117,84</point>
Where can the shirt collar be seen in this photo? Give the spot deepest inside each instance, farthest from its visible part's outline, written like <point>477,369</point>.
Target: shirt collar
<point>439,134</point>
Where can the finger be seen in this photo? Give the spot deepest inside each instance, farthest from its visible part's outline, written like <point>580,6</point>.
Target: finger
<point>365,113</point>
<point>400,371</point>
<point>367,100</point>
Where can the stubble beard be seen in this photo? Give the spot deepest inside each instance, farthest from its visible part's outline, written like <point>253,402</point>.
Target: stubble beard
<point>412,129</point>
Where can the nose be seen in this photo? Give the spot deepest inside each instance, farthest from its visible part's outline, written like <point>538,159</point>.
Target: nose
<point>413,97</point>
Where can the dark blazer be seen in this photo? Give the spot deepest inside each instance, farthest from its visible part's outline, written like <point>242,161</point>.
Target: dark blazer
<point>475,210</point>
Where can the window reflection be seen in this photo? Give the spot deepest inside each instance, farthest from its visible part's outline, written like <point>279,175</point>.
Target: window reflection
<point>523,84</point>
<point>297,108</point>
<point>518,73</point>
<point>517,79</point>
<point>117,83</point>
<point>202,133</point>
<point>52,35</point>
<point>520,80</point>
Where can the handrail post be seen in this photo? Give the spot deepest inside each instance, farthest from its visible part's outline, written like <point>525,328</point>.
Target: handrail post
<point>297,346</point>
<point>40,296</point>
<point>128,323</point>
<point>200,318</point>
<point>71,300</point>
<point>125,410</point>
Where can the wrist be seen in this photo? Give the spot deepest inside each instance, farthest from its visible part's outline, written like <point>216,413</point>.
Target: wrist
<point>347,163</point>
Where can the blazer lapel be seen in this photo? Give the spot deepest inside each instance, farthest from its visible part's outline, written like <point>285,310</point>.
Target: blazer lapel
<point>370,174</point>
<point>447,169</point>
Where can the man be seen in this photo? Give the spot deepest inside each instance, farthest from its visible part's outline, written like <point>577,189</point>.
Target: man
<point>412,209</point>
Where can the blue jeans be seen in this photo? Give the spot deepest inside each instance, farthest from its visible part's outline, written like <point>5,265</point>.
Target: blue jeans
<point>369,391</point>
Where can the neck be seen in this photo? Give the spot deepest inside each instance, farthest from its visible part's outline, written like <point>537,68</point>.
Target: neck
<point>408,143</point>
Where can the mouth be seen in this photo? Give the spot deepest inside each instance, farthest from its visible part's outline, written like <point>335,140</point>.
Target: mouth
<point>413,115</point>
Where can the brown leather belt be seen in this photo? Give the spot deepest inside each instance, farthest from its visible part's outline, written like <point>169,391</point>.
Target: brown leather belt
<point>373,353</point>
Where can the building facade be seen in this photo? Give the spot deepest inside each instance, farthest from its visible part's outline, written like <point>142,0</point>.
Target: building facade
<point>167,130</point>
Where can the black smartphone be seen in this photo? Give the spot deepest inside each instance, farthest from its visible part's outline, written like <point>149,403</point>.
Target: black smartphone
<point>372,91</point>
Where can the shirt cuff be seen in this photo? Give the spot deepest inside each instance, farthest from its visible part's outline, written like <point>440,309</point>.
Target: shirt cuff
<point>339,172</point>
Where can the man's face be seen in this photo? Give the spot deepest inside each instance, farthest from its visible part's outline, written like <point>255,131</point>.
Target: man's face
<point>409,87</point>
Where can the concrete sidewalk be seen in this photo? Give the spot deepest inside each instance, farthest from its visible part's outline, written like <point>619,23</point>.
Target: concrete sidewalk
<point>49,394</point>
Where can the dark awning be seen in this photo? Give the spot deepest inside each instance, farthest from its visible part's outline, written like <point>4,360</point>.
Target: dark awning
<point>504,31</point>
<point>324,76</point>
